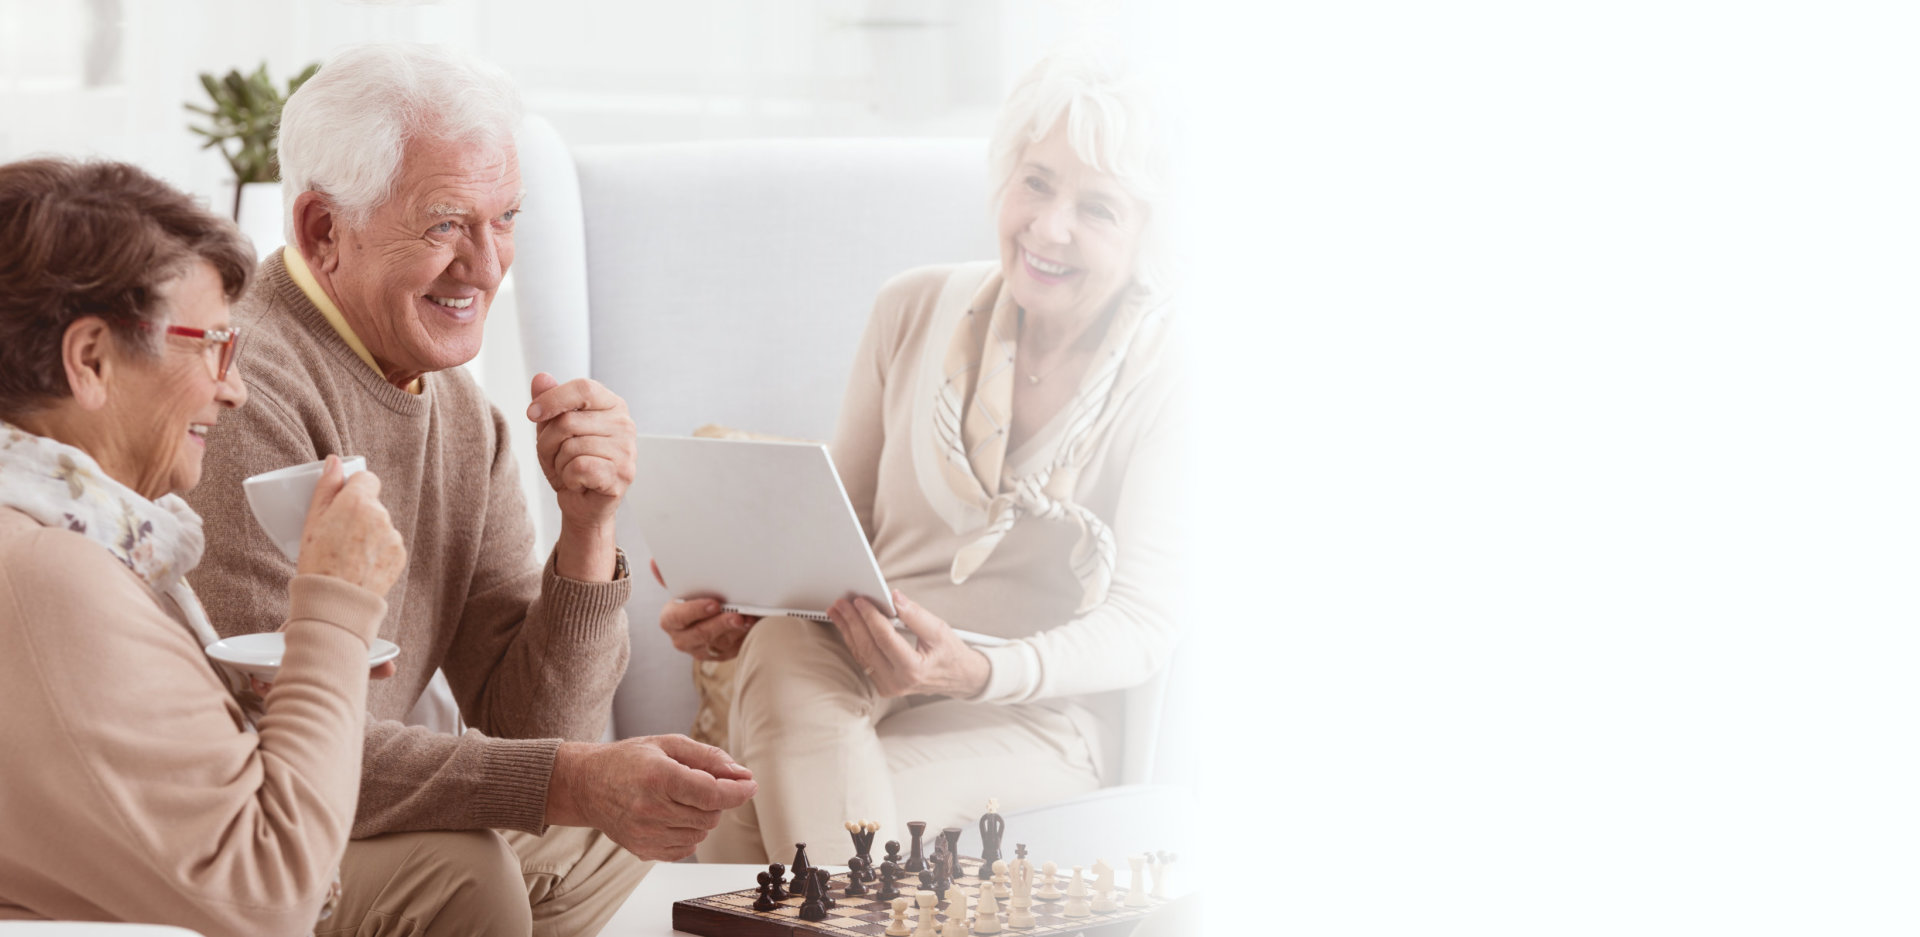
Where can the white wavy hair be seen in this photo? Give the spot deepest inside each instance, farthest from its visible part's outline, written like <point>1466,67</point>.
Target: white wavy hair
<point>1112,121</point>
<point>344,132</point>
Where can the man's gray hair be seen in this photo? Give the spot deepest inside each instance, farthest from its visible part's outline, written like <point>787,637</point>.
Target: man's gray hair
<point>1112,122</point>
<point>344,132</point>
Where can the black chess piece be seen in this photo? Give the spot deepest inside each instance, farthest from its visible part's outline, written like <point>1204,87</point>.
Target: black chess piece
<point>893,854</point>
<point>779,873</point>
<point>939,870</point>
<point>826,888</point>
<point>916,860</point>
<point>800,864</point>
<point>764,901</point>
<point>811,907</point>
<point>856,877</point>
<point>889,878</point>
<point>1019,850</point>
<point>951,835</point>
<point>863,847</point>
<point>992,828</point>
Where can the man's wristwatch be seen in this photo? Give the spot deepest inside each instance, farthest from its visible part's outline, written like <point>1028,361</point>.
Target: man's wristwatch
<point>619,564</point>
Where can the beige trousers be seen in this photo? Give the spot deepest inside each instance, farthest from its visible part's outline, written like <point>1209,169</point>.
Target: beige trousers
<point>481,883</point>
<point>826,748</point>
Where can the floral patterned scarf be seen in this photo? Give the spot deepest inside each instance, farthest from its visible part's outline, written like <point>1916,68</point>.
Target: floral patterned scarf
<point>161,541</point>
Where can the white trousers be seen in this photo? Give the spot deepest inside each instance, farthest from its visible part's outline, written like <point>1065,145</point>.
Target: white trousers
<point>826,748</point>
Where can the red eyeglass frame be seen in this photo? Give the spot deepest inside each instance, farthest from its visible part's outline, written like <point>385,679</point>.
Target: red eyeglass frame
<point>228,339</point>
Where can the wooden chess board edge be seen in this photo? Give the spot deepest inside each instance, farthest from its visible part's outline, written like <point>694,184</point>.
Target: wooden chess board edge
<point>713,923</point>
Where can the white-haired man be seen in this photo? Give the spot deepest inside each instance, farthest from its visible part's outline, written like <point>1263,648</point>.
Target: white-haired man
<point>402,187</point>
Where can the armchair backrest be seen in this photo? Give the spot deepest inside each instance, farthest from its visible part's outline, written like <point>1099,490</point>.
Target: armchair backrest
<point>724,282</point>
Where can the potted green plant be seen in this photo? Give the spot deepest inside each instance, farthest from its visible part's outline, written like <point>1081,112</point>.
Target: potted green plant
<point>243,123</point>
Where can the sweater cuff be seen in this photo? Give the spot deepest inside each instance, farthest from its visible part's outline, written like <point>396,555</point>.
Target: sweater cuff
<point>1014,673</point>
<point>583,610</point>
<point>512,793</point>
<point>336,602</point>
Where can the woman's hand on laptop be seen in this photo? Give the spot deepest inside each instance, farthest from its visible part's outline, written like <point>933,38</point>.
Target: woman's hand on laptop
<point>700,628</point>
<point>939,663</point>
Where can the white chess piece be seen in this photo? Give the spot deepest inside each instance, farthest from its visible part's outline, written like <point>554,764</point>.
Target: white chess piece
<point>1049,872</point>
<point>1000,889</point>
<point>986,917</point>
<point>1137,884</point>
<point>1160,871</point>
<point>1077,895</point>
<point>956,925</point>
<point>1019,913</point>
<point>898,926</point>
<point>927,901</point>
<point>1103,886</point>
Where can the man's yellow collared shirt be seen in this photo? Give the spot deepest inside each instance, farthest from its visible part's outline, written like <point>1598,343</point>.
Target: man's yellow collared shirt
<point>303,278</point>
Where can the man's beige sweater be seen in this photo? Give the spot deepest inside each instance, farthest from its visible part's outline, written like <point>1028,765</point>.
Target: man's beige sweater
<point>133,790</point>
<point>533,658</point>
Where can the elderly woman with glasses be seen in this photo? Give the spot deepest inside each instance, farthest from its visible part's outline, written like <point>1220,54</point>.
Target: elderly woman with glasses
<point>144,782</point>
<point>1009,440</point>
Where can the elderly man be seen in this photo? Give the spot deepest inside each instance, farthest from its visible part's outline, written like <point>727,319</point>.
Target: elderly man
<point>403,186</point>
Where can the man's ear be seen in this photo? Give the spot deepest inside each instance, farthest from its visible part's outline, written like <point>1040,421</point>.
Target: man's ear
<point>88,354</point>
<point>315,233</point>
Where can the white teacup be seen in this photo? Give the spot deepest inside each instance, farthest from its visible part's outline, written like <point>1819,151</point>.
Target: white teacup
<point>280,499</point>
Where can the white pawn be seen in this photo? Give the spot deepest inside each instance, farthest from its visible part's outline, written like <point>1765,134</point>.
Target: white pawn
<point>956,925</point>
<point>1137,885</point>
<point>986,918</point>
<point>927,901</point>
<point>1103,886</point>
<point>1077,896</point>
<point>1000,889</point>
<point>898,926</point>
<point>1048,891</point>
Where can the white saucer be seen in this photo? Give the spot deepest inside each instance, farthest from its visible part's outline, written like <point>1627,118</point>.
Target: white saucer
<point>259,654</point>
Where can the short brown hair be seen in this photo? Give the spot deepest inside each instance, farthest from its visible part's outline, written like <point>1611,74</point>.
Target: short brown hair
<point>82,239</point>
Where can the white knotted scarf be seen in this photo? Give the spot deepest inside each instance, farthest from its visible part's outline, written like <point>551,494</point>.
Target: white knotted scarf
<point>973,413</point>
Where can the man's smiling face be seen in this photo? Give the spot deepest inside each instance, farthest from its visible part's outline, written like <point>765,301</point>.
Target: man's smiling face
<point>416,279</point>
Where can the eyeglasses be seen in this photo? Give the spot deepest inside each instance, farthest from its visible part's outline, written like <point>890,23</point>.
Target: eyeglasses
<point>226,340</point>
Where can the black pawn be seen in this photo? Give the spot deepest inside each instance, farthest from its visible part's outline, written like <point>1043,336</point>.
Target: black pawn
<point>856,877</point>
<point>811,908</point>
<point>800,864</point>
<point>916,860</point>
<point>826,888</point>
<point>889,880</point>
<point>764,901</point>
<point>779,873</point>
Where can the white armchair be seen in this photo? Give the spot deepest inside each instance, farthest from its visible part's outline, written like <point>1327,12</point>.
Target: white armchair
<point>729,282</point>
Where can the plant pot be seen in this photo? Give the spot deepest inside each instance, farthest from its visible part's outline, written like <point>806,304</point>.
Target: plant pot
<point>262,218</point>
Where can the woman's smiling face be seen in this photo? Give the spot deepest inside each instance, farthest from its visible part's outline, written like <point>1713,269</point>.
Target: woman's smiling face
<point>1069,233</point>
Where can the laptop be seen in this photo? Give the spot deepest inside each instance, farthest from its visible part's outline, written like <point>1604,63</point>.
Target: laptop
<point>766,526</point>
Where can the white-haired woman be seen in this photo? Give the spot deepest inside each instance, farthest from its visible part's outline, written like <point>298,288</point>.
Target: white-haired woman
<point>1008,441</point>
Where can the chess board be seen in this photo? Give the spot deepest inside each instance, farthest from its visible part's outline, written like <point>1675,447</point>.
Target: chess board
<point>731,914</point>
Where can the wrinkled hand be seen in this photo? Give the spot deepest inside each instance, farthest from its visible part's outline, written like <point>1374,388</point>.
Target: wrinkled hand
<point>941,663</point>
<point>657,796</point>
<point>348,534</point>
<point>586,447</point>
<point>699,628</point>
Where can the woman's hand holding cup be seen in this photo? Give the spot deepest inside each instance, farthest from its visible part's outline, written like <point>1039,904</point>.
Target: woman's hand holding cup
<point>348,534</point>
